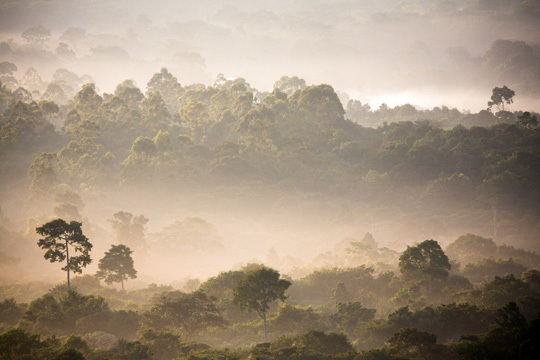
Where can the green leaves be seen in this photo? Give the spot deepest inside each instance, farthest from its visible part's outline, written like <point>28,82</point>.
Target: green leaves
<point>188,314</point>
<point>117,265</point>
<point>259,288</point>
<point>58,236</point>
<point>424,260</point>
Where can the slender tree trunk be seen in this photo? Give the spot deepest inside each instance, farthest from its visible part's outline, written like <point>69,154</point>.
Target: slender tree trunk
<point>265,329</point>
<point>122,282</point>
<point>67,257</point>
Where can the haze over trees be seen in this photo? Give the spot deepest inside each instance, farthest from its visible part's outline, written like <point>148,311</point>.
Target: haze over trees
<point>117,265</point>
<point>58,237</point>
<point>258,289</point>
<point>358,181</point>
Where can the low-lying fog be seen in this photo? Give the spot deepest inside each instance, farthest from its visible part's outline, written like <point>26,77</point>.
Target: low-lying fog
<point>424,53</point>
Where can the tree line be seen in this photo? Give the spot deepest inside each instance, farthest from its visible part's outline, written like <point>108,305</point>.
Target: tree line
<point>436,311</point>
<point>296,138</point>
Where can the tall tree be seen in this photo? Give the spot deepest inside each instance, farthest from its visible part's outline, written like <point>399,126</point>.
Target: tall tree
<point>117,265</point>
<point>59,235</point>
<point>425,260</point>
<point>258,289</point>
<point>500,96</point>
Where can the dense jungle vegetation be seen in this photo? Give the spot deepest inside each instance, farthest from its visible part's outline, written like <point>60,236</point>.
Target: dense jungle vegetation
<point>479,298</point>
<point>151,210</point>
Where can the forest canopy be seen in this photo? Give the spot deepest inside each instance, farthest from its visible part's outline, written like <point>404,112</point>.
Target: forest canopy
<point>269,180</point>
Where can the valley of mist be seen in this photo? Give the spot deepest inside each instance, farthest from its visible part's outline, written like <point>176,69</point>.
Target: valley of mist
<point>427,53</point>
<point>322,139</point>
<point>370,52</point>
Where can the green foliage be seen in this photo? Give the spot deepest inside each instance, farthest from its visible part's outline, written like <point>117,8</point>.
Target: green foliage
<point>413,343</point>
<point>425,260</point>
<point>162,345</point>
<point>59,235</point>
<point>230,138</point>
<point>319,286</point>
<point>10,312</point>
<point>258,289</point>
<point>487,269</point>
<point>318,342</point>
<point>527,120</point>
<point>18,344</point>
<point>351,315</point>
<point>187,314</point>
<point>313,344</point>
<point>470,248</point>
<point>117,265</point>
<point>239,137</point>
<point>222,285</point>
<point>294,319</point>
<point>503,290</point>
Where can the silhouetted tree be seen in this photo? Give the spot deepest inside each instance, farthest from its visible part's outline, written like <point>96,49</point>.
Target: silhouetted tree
<point>258,289</point>
<point>425,260</point>
<point>501,96</point>
<point>59,235</point>
<point>117,265</point>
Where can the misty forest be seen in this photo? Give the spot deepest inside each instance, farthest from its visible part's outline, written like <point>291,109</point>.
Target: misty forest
<point>232,180</point>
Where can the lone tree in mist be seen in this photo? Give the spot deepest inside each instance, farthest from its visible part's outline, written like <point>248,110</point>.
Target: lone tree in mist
<point>259,288</point>
<point>425,260</point>
<point>117,265</point>
<point>500,96</point>
<point>58,236</point>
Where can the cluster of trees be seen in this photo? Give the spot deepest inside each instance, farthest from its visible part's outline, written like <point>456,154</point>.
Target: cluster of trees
<point>296,138</point>
<point>444,315</point>
<point>115,266</point>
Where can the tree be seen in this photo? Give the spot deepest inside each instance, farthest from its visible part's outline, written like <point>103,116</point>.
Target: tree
<point>36,35</point>
<point>129,229</point>
<point>10,312</point>
<point>290,84</point>
<point>59,235</point>
<point>486,269</point>
<point>527,120</point>
<point>501,96</point>
<point>415,343</point>
<point>187,314</point>
<point>426,260</point>
<point>258,289</point>
<point>470,248</point>
<point>349,315</point>
<point>117,265</point>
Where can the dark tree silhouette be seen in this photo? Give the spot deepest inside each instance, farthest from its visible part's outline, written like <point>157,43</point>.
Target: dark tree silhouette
<point>501,96</point>
<point>425,260</point>
<point>117,265</point>
<point>59,235</point>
